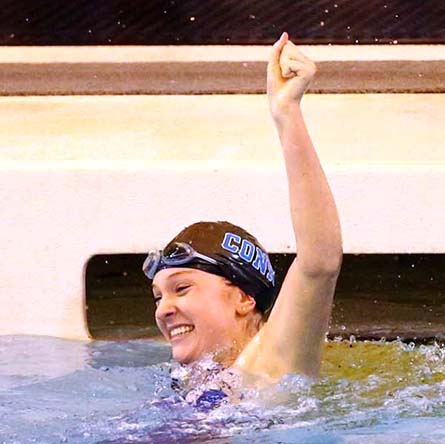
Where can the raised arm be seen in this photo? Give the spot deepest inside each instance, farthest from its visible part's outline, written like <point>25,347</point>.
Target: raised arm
<point>314,215</point>
<point>292,339</point>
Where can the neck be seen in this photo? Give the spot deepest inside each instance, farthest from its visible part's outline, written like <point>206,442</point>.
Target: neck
<point>251,325</point>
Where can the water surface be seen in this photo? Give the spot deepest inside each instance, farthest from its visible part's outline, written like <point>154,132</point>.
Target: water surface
<point>59,391</point>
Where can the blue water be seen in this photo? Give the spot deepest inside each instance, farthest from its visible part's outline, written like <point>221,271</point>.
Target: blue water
<point>59,391</point>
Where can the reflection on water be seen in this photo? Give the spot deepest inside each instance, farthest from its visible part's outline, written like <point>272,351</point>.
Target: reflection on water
<point>54,391</point>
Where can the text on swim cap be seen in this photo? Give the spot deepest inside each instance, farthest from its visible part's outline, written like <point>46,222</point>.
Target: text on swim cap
<point>250,253</point>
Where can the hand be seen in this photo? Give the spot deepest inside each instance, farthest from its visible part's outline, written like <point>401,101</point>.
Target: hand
<point>289,73</point>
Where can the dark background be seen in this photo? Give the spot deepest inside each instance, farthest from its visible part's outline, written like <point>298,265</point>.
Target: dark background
<point>378,295</point>
<point>185,22</point>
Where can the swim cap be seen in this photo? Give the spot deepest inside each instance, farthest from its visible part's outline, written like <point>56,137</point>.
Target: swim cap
<point>239,257</point>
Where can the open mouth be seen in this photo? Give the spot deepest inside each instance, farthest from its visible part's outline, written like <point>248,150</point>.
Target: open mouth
<point>180,331</point>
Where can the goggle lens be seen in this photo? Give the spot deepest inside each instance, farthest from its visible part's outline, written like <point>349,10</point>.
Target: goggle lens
<point>177,254</point>
<point>151,264</point>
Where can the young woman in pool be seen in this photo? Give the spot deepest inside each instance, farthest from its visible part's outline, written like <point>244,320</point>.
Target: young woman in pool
<point>213,282</point>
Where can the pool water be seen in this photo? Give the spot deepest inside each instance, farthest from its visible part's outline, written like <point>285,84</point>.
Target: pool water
<point>60,391</point>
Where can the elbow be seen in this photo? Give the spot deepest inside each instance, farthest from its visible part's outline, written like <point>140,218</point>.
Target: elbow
<point>333,263</point>
<point>326,264</point>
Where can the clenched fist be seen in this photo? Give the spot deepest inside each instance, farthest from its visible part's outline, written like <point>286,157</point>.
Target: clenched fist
<point>289,73</point>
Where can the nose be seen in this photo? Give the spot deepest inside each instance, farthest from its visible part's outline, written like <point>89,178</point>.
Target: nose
<point>166,308</point>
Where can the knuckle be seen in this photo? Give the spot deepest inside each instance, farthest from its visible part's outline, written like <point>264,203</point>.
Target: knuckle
<point>312,68</point>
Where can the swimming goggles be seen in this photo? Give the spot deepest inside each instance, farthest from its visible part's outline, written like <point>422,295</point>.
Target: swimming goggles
<point>176,254</point>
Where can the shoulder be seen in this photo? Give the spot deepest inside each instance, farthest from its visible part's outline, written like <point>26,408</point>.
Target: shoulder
<point>291,341</point>
<point>253,365</point>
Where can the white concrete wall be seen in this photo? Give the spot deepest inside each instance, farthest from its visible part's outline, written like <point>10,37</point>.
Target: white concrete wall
<point>217,53</point>
<point>88,175</point>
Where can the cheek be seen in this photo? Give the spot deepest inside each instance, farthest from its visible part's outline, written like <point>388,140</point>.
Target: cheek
<point>217,319</point>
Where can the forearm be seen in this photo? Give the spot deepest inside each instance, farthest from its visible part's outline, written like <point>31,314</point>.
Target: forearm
<point>314,214</point>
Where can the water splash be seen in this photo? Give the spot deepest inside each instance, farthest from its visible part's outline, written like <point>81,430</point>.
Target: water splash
<point>122,392</point>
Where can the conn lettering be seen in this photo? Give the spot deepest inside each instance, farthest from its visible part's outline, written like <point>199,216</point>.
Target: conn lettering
<point>251,254</point>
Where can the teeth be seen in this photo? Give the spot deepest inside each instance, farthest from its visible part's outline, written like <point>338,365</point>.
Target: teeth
<point>180,330</point>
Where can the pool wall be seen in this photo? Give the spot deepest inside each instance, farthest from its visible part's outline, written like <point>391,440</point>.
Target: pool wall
<point>87,175</point>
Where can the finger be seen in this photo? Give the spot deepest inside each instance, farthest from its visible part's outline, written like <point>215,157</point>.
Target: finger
<point>277,47</point>
<point>273,67</point>
<point>293,52</point>
<point>291,68</point>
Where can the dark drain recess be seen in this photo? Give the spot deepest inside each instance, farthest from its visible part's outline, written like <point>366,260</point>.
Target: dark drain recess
<point>119,299</point>
<point>197,22</point>
<point>377,296</point>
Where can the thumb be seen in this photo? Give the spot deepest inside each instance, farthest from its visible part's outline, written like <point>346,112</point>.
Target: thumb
<point>273,67</point>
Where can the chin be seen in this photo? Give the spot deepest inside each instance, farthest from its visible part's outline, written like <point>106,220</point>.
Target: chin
<point>182,356</point>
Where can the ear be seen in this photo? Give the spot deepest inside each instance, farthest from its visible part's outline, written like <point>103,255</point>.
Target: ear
<point>245,303</point>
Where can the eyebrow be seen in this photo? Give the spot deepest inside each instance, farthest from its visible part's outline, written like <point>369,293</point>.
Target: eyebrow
<point>155,287</point>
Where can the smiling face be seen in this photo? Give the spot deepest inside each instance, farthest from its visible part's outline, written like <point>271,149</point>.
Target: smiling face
<point>200,313</point>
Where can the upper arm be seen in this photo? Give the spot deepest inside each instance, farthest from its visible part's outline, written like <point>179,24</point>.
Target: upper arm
<point>292,339</point>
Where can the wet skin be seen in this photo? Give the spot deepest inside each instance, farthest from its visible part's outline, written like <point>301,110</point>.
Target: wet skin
<point>200,313</point>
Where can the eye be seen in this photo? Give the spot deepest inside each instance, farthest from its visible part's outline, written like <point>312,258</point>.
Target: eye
<point>157,298</point>
<point>182,288</point>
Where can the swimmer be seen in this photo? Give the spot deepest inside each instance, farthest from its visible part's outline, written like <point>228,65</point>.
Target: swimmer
<point>213,283</point>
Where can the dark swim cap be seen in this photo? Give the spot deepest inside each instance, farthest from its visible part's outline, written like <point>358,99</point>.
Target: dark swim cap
<point>240,258</point>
